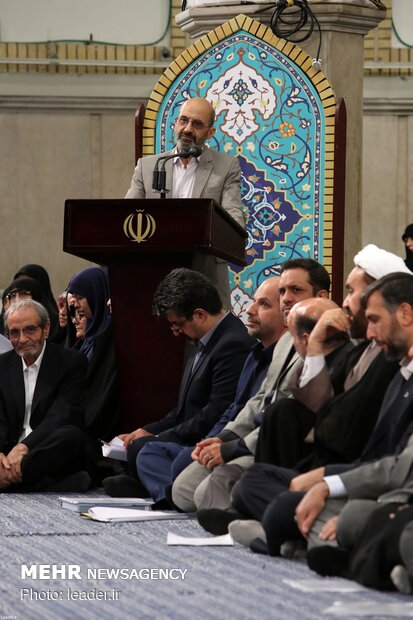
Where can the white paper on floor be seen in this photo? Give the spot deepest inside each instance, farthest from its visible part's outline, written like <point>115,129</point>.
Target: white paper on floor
<point>394,610</point>
<point>220,541</point>
<point>324,585</point>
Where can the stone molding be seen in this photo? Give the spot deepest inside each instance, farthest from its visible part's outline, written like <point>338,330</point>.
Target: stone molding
<point>333,17</point>
<point>72,104</point>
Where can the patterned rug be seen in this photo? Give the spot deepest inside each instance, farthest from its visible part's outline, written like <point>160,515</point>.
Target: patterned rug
<point>141,577</point>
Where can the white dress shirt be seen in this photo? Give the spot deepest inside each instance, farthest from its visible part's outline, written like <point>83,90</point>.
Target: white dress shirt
<point>30,374</point>
<point>183,178</point>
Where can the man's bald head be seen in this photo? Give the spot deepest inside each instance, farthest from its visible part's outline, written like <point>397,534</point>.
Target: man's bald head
<point>199,105</point>
<point>303,318</point>
<point>195,123</point>
<point>265,320</point>
<point>311,308</point>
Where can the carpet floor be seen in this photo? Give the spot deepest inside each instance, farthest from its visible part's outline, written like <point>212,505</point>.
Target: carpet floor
<point>218,582</point>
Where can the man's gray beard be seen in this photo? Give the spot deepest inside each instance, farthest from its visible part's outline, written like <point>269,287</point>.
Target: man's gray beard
<point>184,146</point>
<point>29,356</point>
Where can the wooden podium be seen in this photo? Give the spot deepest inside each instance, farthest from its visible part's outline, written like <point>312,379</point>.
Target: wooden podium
<point>141,241</point>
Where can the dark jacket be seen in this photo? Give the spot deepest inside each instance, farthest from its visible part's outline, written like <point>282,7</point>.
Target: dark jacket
<point>345,424</point>
<point>58,397</point>
<point>208,391</point>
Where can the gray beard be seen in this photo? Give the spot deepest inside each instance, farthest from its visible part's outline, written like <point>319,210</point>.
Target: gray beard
<point>184,145</point>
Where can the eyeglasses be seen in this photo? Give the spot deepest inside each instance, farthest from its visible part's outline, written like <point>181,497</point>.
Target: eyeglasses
<point>16,294</point>
<point>30,330</point>
<point>176,326</point>
<point>182,121</point>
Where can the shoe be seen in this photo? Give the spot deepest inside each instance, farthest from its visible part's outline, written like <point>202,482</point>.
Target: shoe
<point>162,504</point>
<point>329,561</point>
<point>258,545</point>
<point>76,483</point>
<point>244,532</point>
<point>401,579</point>
<point>216,521</point>
<point>124,486</point>
<point>294,549</point>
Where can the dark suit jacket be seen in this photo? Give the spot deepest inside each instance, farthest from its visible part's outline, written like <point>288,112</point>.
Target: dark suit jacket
<point>346,423</point>
<point>58,397</point>
<point>392,430</point>
<point>205,394</point>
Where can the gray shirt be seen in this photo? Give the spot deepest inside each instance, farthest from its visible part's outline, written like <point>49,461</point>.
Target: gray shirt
<point>5,344</point>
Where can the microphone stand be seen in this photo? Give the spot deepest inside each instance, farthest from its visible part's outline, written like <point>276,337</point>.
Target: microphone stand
<point>159,175</point>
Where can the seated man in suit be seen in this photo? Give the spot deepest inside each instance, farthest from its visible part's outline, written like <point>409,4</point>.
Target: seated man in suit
<point>231,452</point>
<point>159,463</point>
<point>211,174</point>
<point>389,310</point>
<point>297,436</point>
<point>193,307</point>
<point>42,391</point>
<point>370,526</point>
<point>345,421</point>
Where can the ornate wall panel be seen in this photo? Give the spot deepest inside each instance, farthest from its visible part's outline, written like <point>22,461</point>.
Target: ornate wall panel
<point>275,112</point>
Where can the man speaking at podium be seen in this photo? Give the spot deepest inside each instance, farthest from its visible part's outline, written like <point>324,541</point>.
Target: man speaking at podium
<point>211,174</point>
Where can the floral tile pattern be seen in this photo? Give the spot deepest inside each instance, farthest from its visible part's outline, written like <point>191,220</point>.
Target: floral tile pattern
<point>275,112</point>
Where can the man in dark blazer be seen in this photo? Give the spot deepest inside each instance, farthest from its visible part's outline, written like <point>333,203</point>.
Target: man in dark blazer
<point>159,463</point>
<point>212,174</point>
<point>389,311</point>
<point>42,389</point>
<point>193,307</point>
<point>346,404</point>
<point>220,461</point>
<point>371,523</point>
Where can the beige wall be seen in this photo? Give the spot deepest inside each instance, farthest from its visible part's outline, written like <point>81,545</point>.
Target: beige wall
<point>55,150</point>
<point>387,161</point>
<point>387,185</point>
<point>68,132</point>
<point>47,156</point>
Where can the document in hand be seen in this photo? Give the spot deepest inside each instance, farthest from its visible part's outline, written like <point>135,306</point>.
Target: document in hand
<point>83,504</point>
<point>116,515</point>
<point>115,449</point>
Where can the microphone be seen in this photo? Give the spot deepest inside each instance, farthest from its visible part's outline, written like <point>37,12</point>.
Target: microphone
<point>194,151</point>
<point>159,175</point>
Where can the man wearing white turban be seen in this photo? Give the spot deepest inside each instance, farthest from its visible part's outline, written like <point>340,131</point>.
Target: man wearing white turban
<point>371,263</point>
<point>378,262</point>
<point>346,413</point>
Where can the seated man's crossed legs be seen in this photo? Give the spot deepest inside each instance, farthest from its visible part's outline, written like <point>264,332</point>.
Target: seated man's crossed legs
<point>196,488</point>
<point>185,485</point>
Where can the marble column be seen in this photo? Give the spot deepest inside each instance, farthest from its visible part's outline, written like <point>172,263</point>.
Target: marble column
<point>344,23</point>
